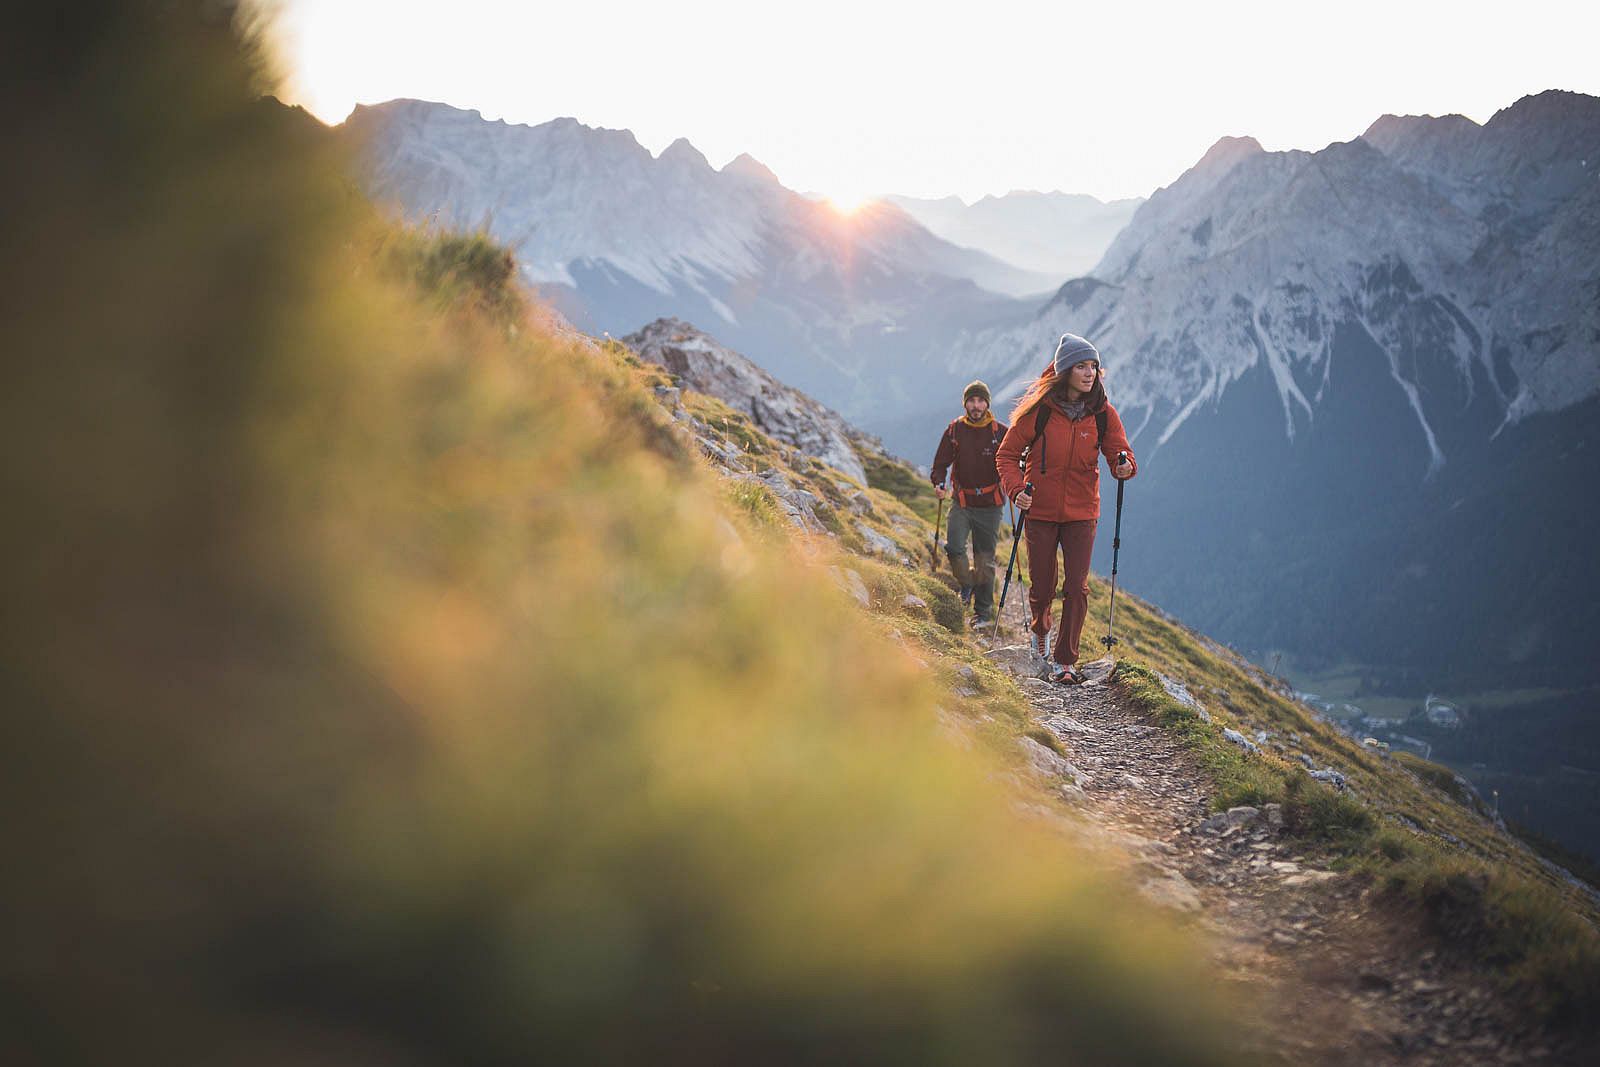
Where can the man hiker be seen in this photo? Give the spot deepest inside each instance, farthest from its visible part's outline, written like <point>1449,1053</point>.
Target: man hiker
<point>966,450</point>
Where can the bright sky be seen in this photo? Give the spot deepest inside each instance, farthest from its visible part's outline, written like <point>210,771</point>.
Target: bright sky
<point>855,97</point>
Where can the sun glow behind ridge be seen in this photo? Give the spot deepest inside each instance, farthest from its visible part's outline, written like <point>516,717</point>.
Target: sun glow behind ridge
<point>848,203</point>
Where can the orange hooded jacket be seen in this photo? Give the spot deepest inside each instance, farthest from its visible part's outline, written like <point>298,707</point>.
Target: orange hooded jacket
<point>1063,467</point>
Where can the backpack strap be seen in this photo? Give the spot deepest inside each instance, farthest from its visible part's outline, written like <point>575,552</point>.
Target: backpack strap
<point>1038,432</point>
<point>1041,417</point>
<point>955,448</point>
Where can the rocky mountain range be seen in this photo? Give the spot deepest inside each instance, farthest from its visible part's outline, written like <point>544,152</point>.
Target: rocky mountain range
<point>1476,247</point>
<point>844,306</point>
<point>1361,383</point>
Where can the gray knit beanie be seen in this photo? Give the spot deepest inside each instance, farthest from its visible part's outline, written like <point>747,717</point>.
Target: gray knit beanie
<point>1071,350</point>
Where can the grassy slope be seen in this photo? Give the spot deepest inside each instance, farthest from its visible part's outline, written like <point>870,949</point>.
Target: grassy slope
<point>1405,822</point>
<point>398,686</point>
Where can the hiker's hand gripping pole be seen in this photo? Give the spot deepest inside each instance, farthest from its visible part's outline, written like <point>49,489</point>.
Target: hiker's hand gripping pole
<point>1110,639</point>
<point>1016,536</point>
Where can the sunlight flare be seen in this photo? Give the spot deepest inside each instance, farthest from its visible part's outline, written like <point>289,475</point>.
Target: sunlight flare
<point>849,203</point>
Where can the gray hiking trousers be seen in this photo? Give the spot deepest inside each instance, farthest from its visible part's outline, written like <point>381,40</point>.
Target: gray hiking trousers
<point>982,527</point>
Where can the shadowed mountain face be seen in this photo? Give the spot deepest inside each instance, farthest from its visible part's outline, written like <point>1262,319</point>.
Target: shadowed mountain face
<point>846,307</point>
<point>1361,383</point>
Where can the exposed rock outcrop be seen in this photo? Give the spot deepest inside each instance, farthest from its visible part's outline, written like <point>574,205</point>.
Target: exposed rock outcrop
<point>783,413</point>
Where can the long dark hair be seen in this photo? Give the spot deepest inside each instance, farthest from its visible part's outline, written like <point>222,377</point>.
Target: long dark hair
<point>1048,385</point>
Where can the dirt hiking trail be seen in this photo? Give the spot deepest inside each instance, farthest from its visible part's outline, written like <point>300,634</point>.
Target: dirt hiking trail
<point>1335,978</point>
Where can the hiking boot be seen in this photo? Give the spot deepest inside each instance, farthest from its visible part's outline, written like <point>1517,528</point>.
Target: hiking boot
<point>1040,643</point>
<point>966,595</point>
<point>979,620</point>
<point>1066,674</point>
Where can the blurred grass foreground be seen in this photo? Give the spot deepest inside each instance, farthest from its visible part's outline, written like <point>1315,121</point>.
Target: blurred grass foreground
<point>383,683</point>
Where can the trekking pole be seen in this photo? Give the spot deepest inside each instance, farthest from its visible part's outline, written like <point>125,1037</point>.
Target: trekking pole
<point>1022,554</point>
<point>1016,536</point>
<point>1110,638</point>
<point>1011,510</point>
<point>933,549</point>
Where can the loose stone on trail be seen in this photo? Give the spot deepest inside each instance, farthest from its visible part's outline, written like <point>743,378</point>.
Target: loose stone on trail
<point>1019,661</point>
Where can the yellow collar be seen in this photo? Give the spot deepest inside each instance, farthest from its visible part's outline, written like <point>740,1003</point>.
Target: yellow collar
<point>988,417</point>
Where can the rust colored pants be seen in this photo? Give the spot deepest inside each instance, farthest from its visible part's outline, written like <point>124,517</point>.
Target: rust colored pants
<point>1076,542</point>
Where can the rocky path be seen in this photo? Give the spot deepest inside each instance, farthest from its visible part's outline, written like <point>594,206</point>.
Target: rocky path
<point>1336,980</point>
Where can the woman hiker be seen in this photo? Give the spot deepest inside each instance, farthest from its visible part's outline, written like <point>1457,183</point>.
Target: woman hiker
<point>1064,423</point>
<point>969,444</point>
